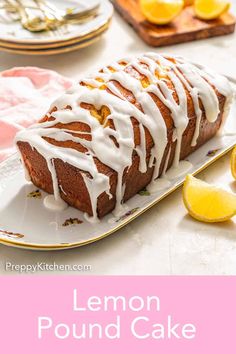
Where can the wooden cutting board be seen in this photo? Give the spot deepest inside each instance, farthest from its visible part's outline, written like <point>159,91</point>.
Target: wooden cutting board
<point>186,27</point>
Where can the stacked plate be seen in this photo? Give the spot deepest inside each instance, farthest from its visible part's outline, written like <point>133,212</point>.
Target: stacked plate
<point>15,39</point>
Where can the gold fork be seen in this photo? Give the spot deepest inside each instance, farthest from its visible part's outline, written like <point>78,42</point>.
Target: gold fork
<point>29,20</point>
<point>50,17</point>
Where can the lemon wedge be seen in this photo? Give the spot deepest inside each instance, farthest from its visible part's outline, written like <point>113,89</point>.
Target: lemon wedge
<point>161,12</point>
<point>210,9</point>
<point>233,162</point>
<point>208,203</point>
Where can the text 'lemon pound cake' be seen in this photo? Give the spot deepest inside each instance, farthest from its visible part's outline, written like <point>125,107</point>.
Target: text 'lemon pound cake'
<point>117,131</point>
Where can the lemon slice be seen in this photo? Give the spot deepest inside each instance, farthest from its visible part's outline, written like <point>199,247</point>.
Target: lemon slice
<point>210,9</point>
<point>208,203</point>
<point>233,162</point>
<point>161,12</point>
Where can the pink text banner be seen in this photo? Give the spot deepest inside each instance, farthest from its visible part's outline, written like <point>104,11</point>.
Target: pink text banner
<point>164,315</point>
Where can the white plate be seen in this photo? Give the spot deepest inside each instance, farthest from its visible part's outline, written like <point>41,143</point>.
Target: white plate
<point>13,32</point>
<point>26,223</point>
<point>57,50</point>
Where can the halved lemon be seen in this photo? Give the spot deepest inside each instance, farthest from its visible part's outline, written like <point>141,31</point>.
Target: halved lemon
<point>206,202</point>
<point>211,9</point>
<point>233,162</point>
<point>161,12</point>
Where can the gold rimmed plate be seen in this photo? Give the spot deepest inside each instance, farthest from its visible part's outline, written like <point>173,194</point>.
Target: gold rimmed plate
<point>59,44</point>
<point>57,50</point>
<point>26,223</point>
<point>13,32</point>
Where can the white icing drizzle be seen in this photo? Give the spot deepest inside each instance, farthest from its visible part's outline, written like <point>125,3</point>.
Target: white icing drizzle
<point>221,83</point>
<point>182,169</point>
<point>166,76</point>
<point>61,188</point>
<point>51,203</point>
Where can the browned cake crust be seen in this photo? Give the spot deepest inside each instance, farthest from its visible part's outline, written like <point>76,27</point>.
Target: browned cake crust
<point>70,178</point>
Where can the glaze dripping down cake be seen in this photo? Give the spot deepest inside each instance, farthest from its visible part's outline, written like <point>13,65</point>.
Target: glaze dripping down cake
<point>117,131</point>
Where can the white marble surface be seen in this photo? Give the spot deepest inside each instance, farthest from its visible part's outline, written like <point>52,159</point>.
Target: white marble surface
<point>164,240</point>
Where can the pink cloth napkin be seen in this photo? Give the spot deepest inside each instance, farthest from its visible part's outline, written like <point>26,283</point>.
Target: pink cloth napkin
<point>25,96</point>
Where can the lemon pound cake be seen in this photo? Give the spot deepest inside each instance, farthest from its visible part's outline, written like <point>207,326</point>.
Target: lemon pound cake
<point>119,130</point>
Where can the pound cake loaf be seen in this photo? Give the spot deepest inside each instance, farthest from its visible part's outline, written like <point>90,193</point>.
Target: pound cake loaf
<point>120,129</point>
